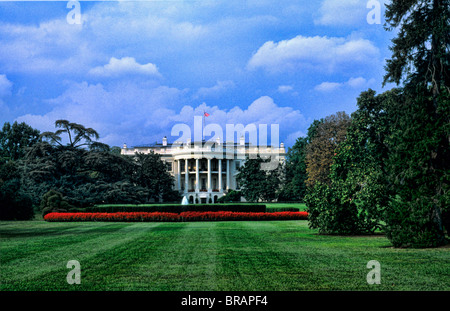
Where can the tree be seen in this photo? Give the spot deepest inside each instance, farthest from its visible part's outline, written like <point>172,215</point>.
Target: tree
<point>53,201</point>
<point>231,196</point>
<point>14,204</point>
<point>77,136</point>
<point>294,185</point>
<point>257,184</point>
<point>418,166</point>
<point>418,171</point>
<point>15,139</point>
<point>83,171</point>
<point>358,172</point>
<point>327,136</point>
<point>420,52</point>
<point>329,212</point>
<point>153,174</point>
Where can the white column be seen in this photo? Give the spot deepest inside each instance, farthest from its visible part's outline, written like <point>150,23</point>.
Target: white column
<point>186,169</point>
<point>197,177</point>
<point>179,174</point>
<point>228,174</point>
<point>209,175</point>
<point>220,174</point>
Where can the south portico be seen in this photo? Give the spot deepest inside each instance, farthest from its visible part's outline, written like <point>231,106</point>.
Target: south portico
<point>203,177</point>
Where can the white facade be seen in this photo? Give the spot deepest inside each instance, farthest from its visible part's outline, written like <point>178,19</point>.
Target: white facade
<point>206,171</point>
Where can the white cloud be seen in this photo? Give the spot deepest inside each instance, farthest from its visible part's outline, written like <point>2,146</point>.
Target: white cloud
<point>50,47</point>
<point>262,111</point>
<point>319,53</point>
<point>5,86</point>
<point>354,83</point>
<point>285,88</point>
<point>125,65</point>
<point>132,111</point>
<point>133,114</point>
<point>5,90</point>
<point>220,87</point>
<point>338,12</point>
<point>327,86</point>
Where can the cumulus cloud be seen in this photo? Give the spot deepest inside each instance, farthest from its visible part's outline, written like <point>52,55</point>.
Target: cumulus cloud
<point>262,111</point>
<point>327,86</point>
<point>136,115</point>
<point>52,47</point>
<point>124,66</point>
<point>354,83</point>
<point>132,111</point>
<point>319,53</point>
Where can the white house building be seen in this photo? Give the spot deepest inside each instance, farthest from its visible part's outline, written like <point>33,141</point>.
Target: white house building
<point>206,171</point>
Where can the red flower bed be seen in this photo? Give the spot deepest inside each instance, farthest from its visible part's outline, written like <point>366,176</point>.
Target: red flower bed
<point>185,216</point>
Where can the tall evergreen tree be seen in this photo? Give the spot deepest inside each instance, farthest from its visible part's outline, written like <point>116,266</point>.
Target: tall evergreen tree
<point>418,166</point>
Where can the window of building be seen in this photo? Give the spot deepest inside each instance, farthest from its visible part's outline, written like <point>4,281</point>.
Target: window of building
<point>169,166</point>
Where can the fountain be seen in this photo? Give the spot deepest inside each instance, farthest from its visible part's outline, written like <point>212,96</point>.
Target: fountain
<point>184,201</point>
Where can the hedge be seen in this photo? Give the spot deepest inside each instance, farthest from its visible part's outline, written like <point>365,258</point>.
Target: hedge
<point>178,208</point>
<point>282,209</point>
<point>174,217</point>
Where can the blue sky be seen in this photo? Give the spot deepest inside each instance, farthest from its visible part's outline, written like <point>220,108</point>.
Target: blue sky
<point>133,69</point>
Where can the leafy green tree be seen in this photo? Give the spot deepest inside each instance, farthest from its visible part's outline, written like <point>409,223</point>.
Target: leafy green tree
<point>87,172</point>
<point>358,172</point>
<point>329,212</point>
<point>53,201</point>
<point>15,139</point>
<point>77,136</point>
<point>231,196</point>
<point>14,204</point>
<point>294,187</point>
<point>257,184</point>
<point>326,137</point>
<point>418,166</point>
<point>152,173</point>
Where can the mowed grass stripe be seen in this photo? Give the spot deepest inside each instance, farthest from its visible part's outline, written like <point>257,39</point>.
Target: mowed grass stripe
<point>250,261</point>
<point>138,265</point>
<point>19,246</point>
<point>185,262</point>
<point>46,270</point>
<point>340,262</point>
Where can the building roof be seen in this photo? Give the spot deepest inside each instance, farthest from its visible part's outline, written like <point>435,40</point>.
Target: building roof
<point>160,144</point>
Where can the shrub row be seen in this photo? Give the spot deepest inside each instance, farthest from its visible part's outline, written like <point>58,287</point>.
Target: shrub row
<point>175,217</point>
<point>178,208</point>
<point>282,209</point>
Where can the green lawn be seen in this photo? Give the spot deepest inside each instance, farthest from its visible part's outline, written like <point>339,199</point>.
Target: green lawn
<point>213,256</point>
